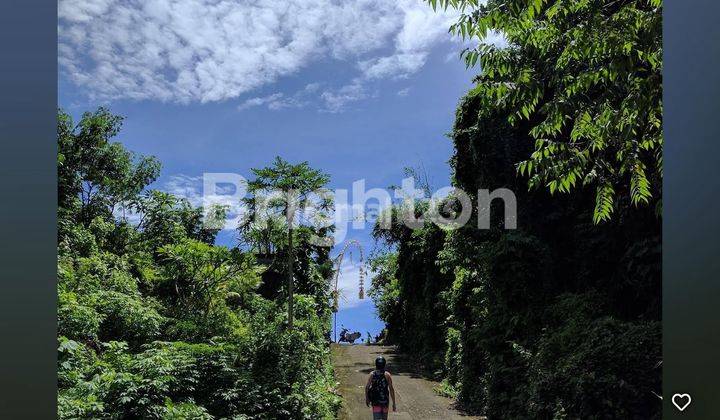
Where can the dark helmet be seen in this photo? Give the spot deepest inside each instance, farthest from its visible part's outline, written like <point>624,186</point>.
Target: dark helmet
<point>380,363</point>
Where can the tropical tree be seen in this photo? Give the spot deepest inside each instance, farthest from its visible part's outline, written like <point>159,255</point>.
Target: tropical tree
<point>95,174</point>
<point>584,78</point>
<point>294,191</point>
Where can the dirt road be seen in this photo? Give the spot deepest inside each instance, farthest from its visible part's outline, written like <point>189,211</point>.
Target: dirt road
<point>415,396</point>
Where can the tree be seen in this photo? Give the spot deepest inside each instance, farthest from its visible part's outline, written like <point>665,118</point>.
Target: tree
<point>385,289</point>
<point>165,218</point>
<point>95,174</point>
<point>202,274</point>
<point>154,319</point>
<point>586,76</point>
<point>287,189</point>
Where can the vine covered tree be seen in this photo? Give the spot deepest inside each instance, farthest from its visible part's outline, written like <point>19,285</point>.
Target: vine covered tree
<point>559,318</point>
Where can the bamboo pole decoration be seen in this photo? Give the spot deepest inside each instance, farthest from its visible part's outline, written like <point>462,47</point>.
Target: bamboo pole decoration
<point>338,263</point>
<point>335,294</point>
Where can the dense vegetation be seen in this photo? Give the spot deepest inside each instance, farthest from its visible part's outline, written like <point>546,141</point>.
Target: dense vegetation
<point>559,318</point>
<point>155,320</point>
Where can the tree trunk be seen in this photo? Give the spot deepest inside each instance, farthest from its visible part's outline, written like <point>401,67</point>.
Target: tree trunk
<point>290,214</point>
<point>290,277</point>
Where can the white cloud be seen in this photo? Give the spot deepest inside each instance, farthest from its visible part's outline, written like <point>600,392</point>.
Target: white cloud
<point>394,66</point>
<point>403,92</point>
<point>214,50</point>
<point>278,101</point>
<point>269,100</point>
<point>421,29</point>
<point>361,26</point>
<point>422,26</point>
<point>337,100</point>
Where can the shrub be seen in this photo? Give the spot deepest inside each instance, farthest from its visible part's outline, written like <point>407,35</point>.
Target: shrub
<point>127,317</point>
<point>75,320</point>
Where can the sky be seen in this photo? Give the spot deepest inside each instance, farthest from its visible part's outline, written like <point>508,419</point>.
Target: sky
<point>360,89</point>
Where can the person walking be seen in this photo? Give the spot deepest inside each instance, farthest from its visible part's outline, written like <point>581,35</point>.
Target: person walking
<point>379,389</point>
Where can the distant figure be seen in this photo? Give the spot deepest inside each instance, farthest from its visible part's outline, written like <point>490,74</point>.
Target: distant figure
<point>378,391</point>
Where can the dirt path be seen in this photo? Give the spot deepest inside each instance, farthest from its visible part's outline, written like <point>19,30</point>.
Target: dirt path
<point>415,396</point>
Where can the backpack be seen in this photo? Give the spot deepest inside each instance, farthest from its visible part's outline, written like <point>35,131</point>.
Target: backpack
<point>379,388</point>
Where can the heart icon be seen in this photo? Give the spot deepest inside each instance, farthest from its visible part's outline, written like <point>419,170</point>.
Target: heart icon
<point>681,401</point>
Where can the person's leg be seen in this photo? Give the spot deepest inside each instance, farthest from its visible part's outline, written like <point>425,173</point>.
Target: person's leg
<point>385,412</point>
<point>378,413</point>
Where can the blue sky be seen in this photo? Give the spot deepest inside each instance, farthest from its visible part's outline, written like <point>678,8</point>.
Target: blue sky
<point>360,93</point>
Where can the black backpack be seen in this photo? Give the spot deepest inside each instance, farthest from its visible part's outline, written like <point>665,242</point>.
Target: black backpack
<point>379,388</point>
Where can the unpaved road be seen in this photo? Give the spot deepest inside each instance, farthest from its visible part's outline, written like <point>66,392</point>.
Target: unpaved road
<point>415,396</point>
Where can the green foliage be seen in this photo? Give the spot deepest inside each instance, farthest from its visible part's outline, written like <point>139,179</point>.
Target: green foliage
<point>157,322</point>
<point>281,194</point>
<point>288,217</point>
<point>584,78</point>
<point>202,274</point>
<point>596,367</point>
<point>385,288</point>
<point>129,318</point>
<point>94,173</point>
<point>75,319</point>
<point>168,219</point>
<point>284,176</point>
<point>405,289</point>
<point>557,319</point>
